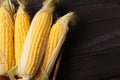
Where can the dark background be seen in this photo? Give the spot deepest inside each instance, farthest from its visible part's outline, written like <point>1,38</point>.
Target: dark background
<point>92,47</point>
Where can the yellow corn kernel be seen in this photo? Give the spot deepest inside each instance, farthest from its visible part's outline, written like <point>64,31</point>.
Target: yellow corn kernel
<point>35,42</point>
<point>56,39</point>
<point>22,24</point>
<point>6,37</point>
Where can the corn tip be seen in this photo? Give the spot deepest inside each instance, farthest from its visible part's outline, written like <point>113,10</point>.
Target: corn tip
<point>49,5</point>
<point>68,18</point>
<point>22,3</point>
<point>8,3</point>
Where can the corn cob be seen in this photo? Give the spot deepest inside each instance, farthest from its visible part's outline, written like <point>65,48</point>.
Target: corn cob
<point>6,36</point>
<point>35,42</point>
<point>22,24</point>
<point>56,39</point>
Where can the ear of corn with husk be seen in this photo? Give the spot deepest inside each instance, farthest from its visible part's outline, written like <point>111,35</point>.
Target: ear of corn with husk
<point>35,42</point>
<point>6,36</point>
<point>22,24</point>
<point>56,39</point>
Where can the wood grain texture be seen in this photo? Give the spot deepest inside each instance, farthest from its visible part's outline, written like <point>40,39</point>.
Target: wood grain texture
<point>92,50</point>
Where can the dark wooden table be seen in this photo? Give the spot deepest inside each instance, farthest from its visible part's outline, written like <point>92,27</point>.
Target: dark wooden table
<point>92,48</point>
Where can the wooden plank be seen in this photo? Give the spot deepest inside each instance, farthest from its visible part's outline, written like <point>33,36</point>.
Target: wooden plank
<point>93,45</point>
